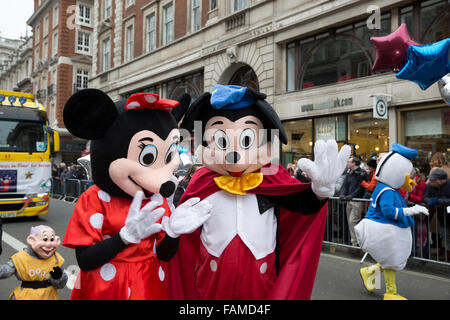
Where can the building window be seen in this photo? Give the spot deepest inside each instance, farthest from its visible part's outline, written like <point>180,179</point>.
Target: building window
<point>336,55</point>
<point>84,14</point>
<point>129,50</point>
<point>427,21</point>
<point>196,15</point>
<point>82,79</point>
<point>245,77</point>
<point>55,43</point>
<point>129,3</point>
<point>237,5</point>
<point>46,25</point>
<point>55,16</point>
<point>107,9</point>
<point>193,84</point>
<point>37,34</point>
<point>150,34</point>
<point>300,141</point>
<point>45,51</point>
<point>83,42</point>
<point>426,130</point>
<point>212,4</point>
<point>168,24</point>
<point>37,58</point>
<point>106,54</point>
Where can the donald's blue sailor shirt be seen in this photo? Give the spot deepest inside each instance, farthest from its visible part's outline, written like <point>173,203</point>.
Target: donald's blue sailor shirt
<point>387,207</point>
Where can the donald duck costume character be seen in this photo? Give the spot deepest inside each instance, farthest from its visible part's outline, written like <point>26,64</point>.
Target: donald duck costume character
<point>385,232</point>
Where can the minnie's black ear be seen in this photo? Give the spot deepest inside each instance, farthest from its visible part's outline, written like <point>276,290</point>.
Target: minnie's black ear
<point>178,112</point>
<point>194,111</point>
<point>89,113</point>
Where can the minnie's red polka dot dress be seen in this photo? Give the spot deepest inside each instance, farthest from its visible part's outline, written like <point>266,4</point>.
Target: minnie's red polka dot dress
<point>134,273</point>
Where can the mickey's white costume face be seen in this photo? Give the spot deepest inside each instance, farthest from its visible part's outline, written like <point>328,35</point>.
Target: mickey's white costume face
<point>235,147</point>
<point>149,161</point>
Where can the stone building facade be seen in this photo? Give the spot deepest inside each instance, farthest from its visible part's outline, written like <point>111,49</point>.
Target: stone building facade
<point>311,58</point>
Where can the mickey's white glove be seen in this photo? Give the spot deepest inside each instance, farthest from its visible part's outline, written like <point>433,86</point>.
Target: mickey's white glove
<point>187,217</point>
<point>140,223</point>
<point>327,167</point>
<point>417,209</point>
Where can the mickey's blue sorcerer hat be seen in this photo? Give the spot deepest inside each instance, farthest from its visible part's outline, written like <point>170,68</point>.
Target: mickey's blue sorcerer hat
<point>230,97</point>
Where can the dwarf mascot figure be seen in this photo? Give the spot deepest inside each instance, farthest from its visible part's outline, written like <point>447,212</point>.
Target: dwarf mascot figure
<point>39,267</point>
<point>264,234</point>
<point>385,232</point>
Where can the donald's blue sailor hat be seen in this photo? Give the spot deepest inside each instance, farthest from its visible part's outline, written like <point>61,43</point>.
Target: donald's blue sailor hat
<point>404,151</point>
<point>230,97</point>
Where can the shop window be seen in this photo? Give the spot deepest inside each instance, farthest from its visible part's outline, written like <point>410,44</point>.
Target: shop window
<point>427,21</point>
<point>427,131</point>
<point>367,136</point>
<point>300,141</point>
<point>245,77</point>
<point>337,55</point>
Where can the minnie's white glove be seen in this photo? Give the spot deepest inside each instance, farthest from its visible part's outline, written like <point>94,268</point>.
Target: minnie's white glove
<point>140,223</point>
<point>417,209</point>
<point>328,165</point>
<point>187,217</point>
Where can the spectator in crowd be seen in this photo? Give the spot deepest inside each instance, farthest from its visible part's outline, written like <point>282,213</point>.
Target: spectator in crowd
<point>301,176</point>
<point>351,188</point>
<point>421,221</point>
<point>416,195</point>
<point>437,195</point>
<point>184,183</point>
<point>371,182</point>
<point>291,169</point>
<point>438,160</point>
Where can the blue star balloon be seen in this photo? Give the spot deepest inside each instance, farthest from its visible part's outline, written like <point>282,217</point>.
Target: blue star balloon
<point>426,64</point>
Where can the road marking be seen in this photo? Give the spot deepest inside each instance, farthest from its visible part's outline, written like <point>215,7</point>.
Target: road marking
<point>402,271</point>
<point>13,242</point>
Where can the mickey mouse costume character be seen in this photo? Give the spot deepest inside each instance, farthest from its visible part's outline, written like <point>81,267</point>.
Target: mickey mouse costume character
<point>385,232</point>
<point>264,236</point>
<point>115,227</point>
<point>38,266</point>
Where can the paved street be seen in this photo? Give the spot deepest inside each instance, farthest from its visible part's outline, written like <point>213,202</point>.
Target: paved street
<point>337,276</point>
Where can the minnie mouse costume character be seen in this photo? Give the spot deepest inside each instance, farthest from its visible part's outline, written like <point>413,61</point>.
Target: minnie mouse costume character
<point>118,239</point>
<point>264,236</point>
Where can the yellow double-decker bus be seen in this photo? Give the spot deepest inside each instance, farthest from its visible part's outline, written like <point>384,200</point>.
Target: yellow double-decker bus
<point>26,145</point>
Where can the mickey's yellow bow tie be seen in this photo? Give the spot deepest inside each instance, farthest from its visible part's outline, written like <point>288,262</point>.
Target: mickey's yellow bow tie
<point>239,185</point>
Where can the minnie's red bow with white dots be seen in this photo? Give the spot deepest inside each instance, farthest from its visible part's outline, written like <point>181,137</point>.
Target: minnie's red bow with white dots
<point>149,101</point>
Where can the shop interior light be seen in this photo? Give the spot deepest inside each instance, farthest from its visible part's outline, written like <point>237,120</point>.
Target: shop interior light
<point>377,149</point>
<point>356,146</point>
<point>310,143</point>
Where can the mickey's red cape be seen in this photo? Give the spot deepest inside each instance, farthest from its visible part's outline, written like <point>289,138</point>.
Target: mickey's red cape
<point>300,240</point>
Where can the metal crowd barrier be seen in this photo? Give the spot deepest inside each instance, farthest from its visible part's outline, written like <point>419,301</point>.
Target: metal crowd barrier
<point>69,189</point>
<point>431,234</point>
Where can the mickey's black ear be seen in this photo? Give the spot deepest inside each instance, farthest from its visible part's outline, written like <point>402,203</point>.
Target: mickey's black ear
<point>89,113</point>
<point>194,111</point>
<point>272,117</point>
<point>178,112</point>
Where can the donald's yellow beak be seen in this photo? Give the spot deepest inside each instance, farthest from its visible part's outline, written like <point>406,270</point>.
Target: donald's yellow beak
<point>409,184</point>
